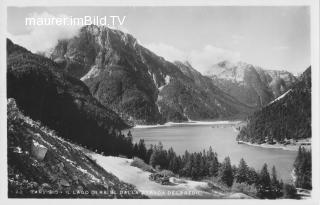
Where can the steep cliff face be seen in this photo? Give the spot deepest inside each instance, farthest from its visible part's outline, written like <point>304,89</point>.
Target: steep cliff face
<point>44,165</point>
<point>286,117</point>
<point>140,86</point>
<point>61,102</point>
<point>249,84</point>
<point>213,98</point>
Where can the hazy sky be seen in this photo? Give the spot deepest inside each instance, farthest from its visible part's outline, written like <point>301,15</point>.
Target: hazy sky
<point>271,37</point>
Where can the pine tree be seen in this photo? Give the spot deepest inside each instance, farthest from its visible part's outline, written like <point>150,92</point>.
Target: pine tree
<point>142,151</point>
<point>129,134</point>
<point>213,163</point>
<point>274,178</point>
<point>193,166</point>
<point>253,176</point>
<point>154,157</point>
<point>226,173</point>
<point>159,157</point>
<point>135,150</point>
<point>289,191</point>
<point>275,184</point>
<point>302,169</point>
<point>242,172</point>
<point>148,155</point>
<point>175,164</point>
<point>264,190</point>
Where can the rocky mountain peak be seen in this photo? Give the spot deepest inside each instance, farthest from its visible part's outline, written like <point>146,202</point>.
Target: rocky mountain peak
<point>137,84</point>
<point>250,84</point>
<point>104,33</point>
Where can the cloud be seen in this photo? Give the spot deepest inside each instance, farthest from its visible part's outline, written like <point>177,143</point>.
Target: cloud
<point>201,59</point>
<point>170,53</point>
<point>42,38</point>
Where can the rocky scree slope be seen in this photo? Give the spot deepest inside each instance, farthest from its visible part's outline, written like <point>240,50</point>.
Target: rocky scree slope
<point>140,86</point>
<point>43,165</point>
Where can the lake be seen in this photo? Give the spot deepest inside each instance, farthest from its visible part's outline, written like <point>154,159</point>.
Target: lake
<point>196,137</point>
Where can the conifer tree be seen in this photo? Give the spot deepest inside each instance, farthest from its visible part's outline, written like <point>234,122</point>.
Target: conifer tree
<point>142,151</point>
<point>274,178</point>
<point>159,157</point>
<point>302,169</point>
<point>226,173</point>
<point>275,184</point>
<point>253,176</point>
<point>242,172</point>
<point>264,189</point>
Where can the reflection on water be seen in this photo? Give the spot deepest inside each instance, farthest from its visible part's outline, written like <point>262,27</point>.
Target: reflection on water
<point>195,138</point>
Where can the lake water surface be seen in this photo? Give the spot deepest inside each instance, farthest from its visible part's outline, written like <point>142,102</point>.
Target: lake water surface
<point>195,138</point>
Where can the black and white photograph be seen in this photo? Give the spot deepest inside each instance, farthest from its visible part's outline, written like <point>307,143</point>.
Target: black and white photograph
<point>165,101</point>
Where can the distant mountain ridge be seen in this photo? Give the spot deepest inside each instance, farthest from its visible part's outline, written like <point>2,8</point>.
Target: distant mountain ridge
<point>250,84</point>
<point>287,117</point>
<point>140,86</point>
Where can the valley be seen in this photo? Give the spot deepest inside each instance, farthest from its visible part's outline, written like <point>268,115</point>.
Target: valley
<point>99,100</point>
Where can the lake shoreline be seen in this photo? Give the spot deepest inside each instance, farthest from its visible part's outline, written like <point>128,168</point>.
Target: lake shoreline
<point>221,137</point>
<point>191,123</point>
<point>289,147</point>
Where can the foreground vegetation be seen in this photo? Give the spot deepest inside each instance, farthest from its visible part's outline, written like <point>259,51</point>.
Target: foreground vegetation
<point>302,169</point>
<point>242,178</point>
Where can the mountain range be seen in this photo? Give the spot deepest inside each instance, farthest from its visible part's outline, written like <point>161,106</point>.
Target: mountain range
<point>102,81</point>
<point>250,84</point>
<point>105,76</point>
<point>140,86</point>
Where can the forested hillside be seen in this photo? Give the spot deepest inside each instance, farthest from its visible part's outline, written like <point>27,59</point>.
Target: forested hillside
<point>61,102</point>
<point>287,117</point>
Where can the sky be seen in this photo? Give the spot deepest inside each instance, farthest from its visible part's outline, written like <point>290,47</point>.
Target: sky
<point>271,37</point>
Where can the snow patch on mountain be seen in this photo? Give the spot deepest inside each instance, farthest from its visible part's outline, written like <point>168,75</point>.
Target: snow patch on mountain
<point>280,97</point>
<point>154,78</point>
<point>93,72</point>
<point>167,81</point>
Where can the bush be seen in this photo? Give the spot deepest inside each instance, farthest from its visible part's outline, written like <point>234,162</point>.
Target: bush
<point>290,191</point>
<point>139,163</point>
<point>244,188</point>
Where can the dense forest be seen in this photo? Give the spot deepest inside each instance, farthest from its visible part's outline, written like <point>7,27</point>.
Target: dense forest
<point>62,103</point>
<point>288,117</point>
<point>302,169</point>
<point>243,178</point>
